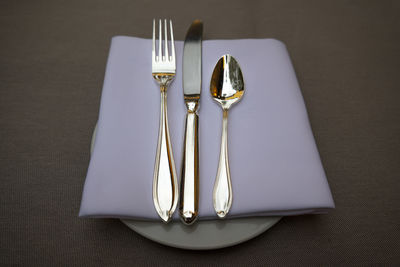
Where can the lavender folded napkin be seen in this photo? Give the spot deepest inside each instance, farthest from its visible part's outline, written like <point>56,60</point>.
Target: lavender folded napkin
<point>275,165</point>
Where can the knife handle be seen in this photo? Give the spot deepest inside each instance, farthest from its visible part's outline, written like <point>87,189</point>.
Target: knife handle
<point>189,198</point>
<point>222,193</point>
<point>165,183</point>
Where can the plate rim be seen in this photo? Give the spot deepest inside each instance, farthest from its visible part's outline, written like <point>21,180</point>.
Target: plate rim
<point>275,220</point>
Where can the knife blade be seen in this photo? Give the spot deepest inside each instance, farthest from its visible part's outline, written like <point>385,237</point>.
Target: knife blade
<point>189,193</point>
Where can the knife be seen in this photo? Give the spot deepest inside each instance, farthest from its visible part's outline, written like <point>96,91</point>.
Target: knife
<point>189,198</point>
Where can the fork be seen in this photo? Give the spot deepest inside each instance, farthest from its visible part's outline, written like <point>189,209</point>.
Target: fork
<point>165,184</point>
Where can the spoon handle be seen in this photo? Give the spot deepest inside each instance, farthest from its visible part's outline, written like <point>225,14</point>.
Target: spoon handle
<point>222,194</point>
<point>165,184</point>
<point>189,193</point>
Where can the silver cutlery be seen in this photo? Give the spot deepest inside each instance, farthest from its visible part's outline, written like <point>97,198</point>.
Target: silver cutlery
<point>227,88</point>
<point>165,184</point>
<point>189,193</point>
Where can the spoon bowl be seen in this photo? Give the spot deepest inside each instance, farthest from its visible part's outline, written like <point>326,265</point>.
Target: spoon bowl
<point>227,86</point>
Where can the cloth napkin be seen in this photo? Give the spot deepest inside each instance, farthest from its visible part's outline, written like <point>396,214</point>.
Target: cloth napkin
<point>274,161</point>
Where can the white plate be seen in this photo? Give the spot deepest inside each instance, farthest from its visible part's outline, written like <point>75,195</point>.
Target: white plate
<point>202,235</point>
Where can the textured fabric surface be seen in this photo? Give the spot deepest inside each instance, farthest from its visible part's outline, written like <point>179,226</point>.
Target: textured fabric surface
<point>275,166</point>
<point>52,60</point>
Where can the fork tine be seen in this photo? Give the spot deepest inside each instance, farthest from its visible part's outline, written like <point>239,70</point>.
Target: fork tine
<point>153,50</point>
<point>172,42</point>
<point>166,41</point>
<point>159,42</point>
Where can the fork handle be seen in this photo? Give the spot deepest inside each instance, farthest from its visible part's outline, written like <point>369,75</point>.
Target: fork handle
<point>189,198</point>
<point>165,184</point>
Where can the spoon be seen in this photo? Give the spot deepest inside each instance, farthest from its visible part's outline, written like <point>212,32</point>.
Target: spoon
<point>227,88</point>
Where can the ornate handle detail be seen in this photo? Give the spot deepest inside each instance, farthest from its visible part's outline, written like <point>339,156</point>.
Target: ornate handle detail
<point>189,199</point>
<point>222,194</point>
<point>165,184</point>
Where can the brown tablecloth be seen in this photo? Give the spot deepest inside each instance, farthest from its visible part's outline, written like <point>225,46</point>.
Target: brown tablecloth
<point>52,60</point>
